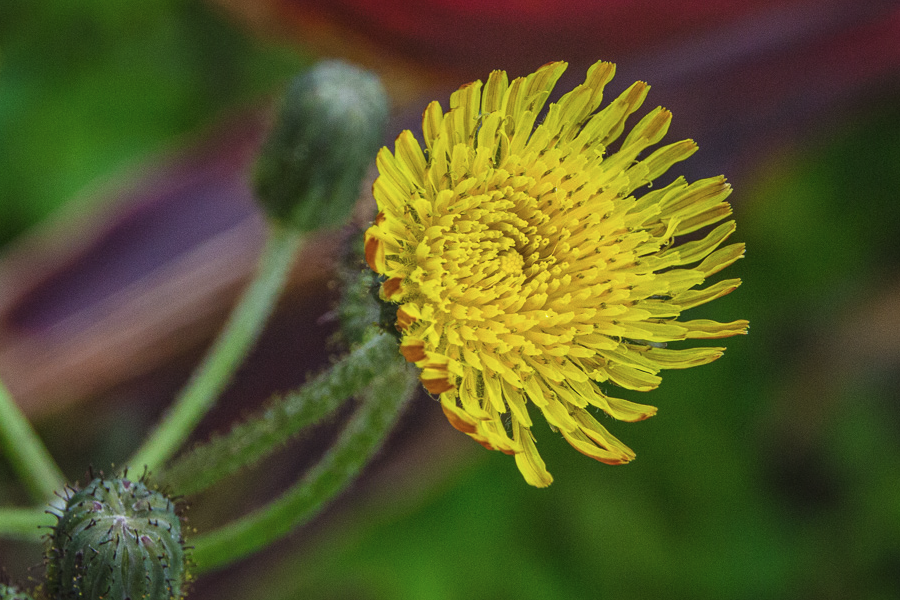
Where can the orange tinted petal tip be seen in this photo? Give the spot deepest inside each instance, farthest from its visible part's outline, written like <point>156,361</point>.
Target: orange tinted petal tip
<point>374,250</point>
<point>392,289</point>
<point>404,319</point>
<point>413,351</point>
<point>553,63</point>
<point>612,461</point>
<point>437,386</point>
<point>459,422</point>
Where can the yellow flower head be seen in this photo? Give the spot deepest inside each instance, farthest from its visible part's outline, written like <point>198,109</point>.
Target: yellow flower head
<point>527,272</point>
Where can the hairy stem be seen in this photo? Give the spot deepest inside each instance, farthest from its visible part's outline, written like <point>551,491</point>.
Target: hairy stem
<point>263,433</point>
<point>233,344</point>
<point>25,451</point>
<point>358,442</point>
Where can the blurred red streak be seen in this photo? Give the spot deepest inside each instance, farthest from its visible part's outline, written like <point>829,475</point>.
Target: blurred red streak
<point>737,107</point>
<point>475,36</point>
<point>416,46</point>
<point>734,73</point>
<point>861,54</point>
<point>837,64</point>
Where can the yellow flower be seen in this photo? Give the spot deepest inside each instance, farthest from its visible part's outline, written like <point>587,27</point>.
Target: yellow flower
<point>527,272</point>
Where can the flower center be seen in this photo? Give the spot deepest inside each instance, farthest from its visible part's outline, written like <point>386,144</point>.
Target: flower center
<point>511,262</point>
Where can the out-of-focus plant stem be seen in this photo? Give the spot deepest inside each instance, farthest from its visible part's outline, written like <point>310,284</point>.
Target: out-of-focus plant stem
<point>24,524</point>
<point>26,452</point>
<point>228,351</point>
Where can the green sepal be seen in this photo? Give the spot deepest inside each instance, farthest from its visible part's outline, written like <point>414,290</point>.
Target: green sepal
<point>117,540</point>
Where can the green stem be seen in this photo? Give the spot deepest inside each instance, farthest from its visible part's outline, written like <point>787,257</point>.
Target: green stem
<point>241,331</point>
<point>24,523</point>
<point>358,442</point>
<point>28,455</point>
<point>265,432</point>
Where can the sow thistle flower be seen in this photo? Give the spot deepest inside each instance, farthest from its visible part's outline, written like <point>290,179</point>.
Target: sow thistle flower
<point>528,274</point>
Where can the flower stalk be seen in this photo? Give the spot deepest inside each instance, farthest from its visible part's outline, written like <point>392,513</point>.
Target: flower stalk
<point>26,452</point>
<point>362,437</point>
<point>228,351</point>
<point>24,524</point>
<point>261,434</point>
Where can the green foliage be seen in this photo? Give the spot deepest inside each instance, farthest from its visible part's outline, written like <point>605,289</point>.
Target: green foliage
<point>11,592</point>
<point>91,87</point>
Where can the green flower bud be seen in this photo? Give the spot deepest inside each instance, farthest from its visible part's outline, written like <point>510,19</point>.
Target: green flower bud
<point>329,129</point>
<point>116,540</point>
<point>11,592</point>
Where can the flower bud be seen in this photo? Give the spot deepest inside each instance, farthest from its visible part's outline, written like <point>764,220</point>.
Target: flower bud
<point>117,540</point>
<point>330,125</point>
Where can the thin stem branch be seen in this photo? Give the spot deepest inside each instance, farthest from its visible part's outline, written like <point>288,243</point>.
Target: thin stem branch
<point>26,452</point>
<point>24,523</point>
<point>358,442</point>
<point>263,433</point>
<point>234,342</point>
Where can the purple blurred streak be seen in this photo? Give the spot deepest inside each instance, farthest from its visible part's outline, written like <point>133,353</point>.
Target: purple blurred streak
<point>776,32</point>
<point>104,296</point>
<point>208,193</point>
<point>774,79</point>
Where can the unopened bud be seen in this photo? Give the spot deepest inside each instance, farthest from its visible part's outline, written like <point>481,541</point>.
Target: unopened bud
<point>327,133</point>
<point>116,540</point>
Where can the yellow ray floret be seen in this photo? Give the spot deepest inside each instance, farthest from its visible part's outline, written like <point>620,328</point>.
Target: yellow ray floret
<point>526,272</point>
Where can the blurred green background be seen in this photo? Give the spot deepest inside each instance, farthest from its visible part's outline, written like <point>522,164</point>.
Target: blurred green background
<point>772,473</point>
<point>87,89</point>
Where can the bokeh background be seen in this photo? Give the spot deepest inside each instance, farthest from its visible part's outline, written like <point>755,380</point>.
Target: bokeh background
<point>126,133</point>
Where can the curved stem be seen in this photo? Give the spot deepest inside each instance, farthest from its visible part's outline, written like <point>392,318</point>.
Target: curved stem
<point>27,454</point>
<point>263,433</point>
<point>358,442</point>
<point>241,331</point>
<point>24,523</point>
